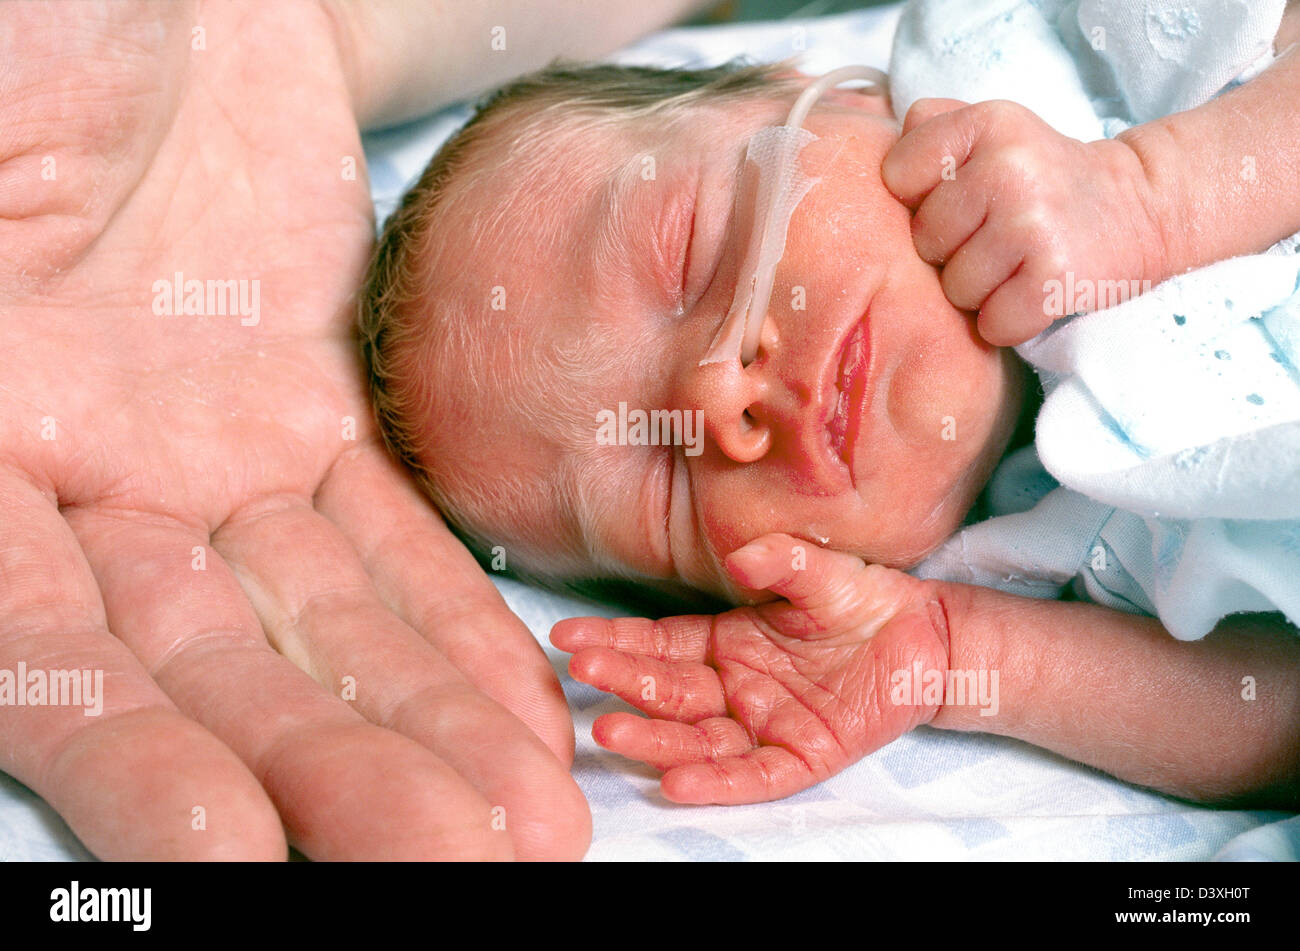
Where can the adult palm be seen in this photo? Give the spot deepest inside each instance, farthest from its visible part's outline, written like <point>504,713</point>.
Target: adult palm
<point>197,504</point>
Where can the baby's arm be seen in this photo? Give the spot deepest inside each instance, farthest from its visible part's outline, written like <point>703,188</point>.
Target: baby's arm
<point>761,702</point>
<point>1226,176</point>
<point>1215,720</point>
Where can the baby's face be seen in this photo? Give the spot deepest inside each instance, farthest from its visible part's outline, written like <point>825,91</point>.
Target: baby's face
<point>872,415</point>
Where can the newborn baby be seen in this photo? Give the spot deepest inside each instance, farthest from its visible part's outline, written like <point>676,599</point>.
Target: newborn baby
<point>576,256</point>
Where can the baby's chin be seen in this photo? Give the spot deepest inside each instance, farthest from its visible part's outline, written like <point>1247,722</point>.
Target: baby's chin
<point>908,554</point>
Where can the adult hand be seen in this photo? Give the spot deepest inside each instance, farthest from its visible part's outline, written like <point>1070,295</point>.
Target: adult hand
<point>196,504</point>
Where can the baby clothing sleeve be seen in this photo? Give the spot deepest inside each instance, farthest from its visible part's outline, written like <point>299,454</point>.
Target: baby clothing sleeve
<point>1090,68</point>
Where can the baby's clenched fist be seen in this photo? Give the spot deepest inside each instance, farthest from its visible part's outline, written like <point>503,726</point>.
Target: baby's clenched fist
<point>1027,225</point>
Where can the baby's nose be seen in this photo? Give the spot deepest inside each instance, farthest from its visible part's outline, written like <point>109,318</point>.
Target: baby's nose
<point>731,397</point>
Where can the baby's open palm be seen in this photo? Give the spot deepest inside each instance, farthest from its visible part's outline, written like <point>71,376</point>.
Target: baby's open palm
<point>762,702</point>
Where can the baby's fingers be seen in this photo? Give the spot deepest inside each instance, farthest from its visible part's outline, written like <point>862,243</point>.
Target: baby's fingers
<point>686,692</point>
<point>982,265</point>
<point>665,744</point>
<point>817,581</point>
<point>938,136</point>
<point>760,775</point>
<point>1020,309</point>
<point>948,218</point>
<point>923,110</point>
<point>674,639</point>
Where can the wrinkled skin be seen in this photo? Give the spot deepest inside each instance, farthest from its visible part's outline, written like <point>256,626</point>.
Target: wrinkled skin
<point>762,702</point>
<point>201,509</point>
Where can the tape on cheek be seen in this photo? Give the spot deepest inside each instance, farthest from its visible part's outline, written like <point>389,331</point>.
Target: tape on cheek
<point>782,184</point>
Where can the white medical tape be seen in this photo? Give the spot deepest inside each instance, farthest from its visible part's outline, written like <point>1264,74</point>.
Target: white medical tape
<point>782,184</point>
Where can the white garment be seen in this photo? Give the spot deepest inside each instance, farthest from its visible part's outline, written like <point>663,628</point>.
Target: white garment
<point>1165,476</point>
<point>1087,67</point>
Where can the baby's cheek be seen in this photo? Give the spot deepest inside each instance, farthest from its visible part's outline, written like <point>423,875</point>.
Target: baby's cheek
<point>739,504</point>
<point>744,503</point>
<point>946,389</point>
<point>928,398</point>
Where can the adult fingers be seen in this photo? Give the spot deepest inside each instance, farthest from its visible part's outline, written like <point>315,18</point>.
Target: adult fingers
<point>343,787</point>
<point>318,607</point>
<point>132,776</point>
<point>425,575</point>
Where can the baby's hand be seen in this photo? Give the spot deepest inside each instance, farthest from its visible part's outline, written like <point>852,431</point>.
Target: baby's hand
<point>1027,224</point>
<point>761,702</point>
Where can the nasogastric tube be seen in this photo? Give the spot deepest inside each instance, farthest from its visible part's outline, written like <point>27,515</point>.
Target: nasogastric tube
<point>782,184</point>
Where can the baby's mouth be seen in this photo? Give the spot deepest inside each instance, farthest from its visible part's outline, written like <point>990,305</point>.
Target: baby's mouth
<point>852,394</point>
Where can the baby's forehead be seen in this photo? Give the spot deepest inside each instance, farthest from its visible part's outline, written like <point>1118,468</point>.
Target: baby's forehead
<point>526,232</point>
<point>584,144</point>
<point>511,202</point>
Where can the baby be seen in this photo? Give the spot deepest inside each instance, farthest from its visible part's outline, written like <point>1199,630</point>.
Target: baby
<point>575,256</point>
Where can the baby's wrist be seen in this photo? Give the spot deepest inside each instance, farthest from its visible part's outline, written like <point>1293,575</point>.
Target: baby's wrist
<point>972,685</point>
<point>1161,193</point>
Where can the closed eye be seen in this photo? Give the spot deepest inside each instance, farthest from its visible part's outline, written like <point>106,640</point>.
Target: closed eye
<point>686,257</point>
<point>669,465</point>
<point>717,216</point>
<point>665,246</point>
